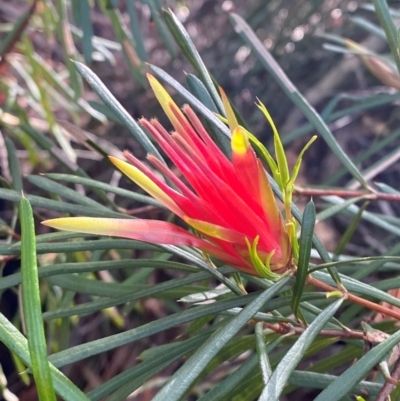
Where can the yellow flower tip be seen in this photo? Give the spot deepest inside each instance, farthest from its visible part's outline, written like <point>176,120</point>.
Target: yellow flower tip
<point>240,143</point>
<point>114,160</point>
<point>121,164</point>
<point>46,223</point>
<point>64,223</point>
<point>150,77</point>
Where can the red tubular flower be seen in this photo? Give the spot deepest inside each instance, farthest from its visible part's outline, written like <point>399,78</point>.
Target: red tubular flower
<point>229,203</point>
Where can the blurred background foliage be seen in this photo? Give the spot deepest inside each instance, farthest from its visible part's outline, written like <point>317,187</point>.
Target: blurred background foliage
<point>52,121</point>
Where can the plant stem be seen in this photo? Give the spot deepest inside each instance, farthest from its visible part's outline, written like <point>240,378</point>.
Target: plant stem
<point>355,299</point>
<point>342,193</point>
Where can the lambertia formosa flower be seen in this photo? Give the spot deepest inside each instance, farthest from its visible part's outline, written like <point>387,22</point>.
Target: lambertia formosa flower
<point>228,203</point>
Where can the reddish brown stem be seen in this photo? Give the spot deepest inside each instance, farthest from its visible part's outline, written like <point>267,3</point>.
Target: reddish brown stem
<point>327,333</point>
<point>357,300</point>
<point>314,192</point>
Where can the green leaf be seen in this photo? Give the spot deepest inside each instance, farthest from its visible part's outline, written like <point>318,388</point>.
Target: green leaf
<point>387,23</point>
<point>291,91</point>
<point>77,246</point>
<point>369,27</point>
<point>165,36</point>
<point>197,88</point>
<point>85,23</point>
<point>321,381</point>
<point>185,43</point>
<point>135,28</point>
<point>18,344</point>
<point>351,228</point>
<point>32,308</point>
<point>162,356</point>
<point>63,207</point>
<point>13,163</point>
<point>125,38</point>
<point>64,192</point>
<point>353,375</point>
<point>262,354</point>
<point>359,287</point>
<point>299,160</point>
<point>87,267</point>
<point>67,46</point>
<point>288,363</point>
<point>180,381</point>
<point>89,182</point>
<point>109,99</point>
<point>307,232</point>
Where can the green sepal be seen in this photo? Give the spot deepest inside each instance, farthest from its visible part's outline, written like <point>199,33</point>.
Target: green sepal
<point>297,166</point>
<point>279,150</point>
<point>263,269</point>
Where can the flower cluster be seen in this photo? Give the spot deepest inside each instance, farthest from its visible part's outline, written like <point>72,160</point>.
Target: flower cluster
<point>228,202</point>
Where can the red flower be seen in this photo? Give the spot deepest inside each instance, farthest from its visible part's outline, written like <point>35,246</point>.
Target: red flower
<point>229,203</point>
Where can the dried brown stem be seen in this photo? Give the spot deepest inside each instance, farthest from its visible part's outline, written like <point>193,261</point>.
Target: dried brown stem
<point>355,299</point>
<point>342,193</point>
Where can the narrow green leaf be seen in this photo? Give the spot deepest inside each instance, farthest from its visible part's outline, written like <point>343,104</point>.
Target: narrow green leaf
<point>67,46</point>
<point>387,23</point>
<point>165,35</point>
<point>353,375</point>
<point>286,366</point>
<point>369,27</point>
<point>128,381</point>
<point>299,160</point>
<point>89,182</point>
<point>124,37</point>
<point>83,351</point>
<point>180,381</point>
<point>363,103</point>
<point>32,308</point>
<point>263,360</point>
<point>360,288</point>
<point>77,246</point>
<point>18,344</point>
<point>64,192</point>
<point>197,88</point>
<point>13,163</point>
<point>367,216</point>
<point>185,43</point>
<point>223,388</point>
<point>321,381</point>
<point>135,28</point>
<point>56,81</point>
<point>348,234</point>
<point>340,207</point>
<point>87,267</point>
<point>87,28</point>
<point>307,232</point>
<point>109,99</point>
<point>60,206</point>
<point>291,91</point>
